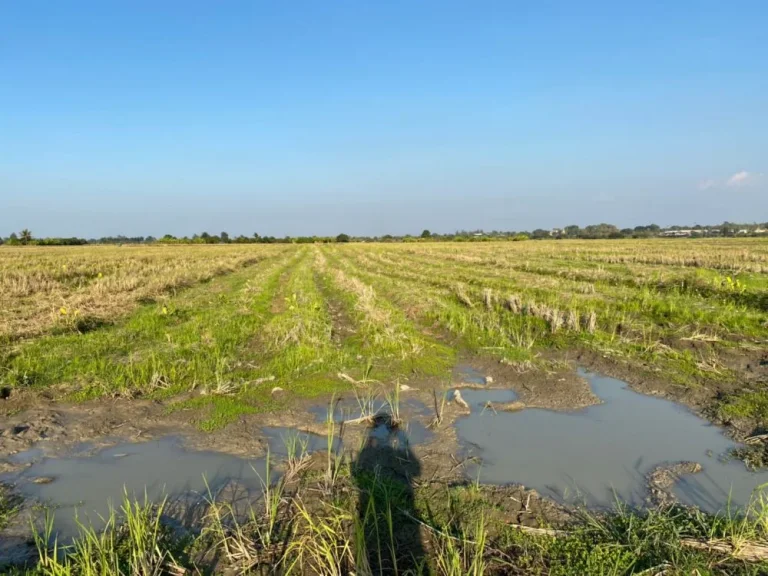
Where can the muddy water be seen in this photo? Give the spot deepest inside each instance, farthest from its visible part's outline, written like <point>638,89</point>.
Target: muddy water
<point>86,483</point>
<point>162,468</point>
<point>463,373</point>
<point>603,451</point>
<point>280,438</point>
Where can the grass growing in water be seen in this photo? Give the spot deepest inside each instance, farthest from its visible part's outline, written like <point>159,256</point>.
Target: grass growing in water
<point>362,530</point>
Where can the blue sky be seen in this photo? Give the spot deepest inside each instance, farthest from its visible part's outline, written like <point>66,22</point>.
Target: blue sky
<point>149,117</point>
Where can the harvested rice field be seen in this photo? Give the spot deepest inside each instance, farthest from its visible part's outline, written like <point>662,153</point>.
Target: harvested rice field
<point>532,407</point>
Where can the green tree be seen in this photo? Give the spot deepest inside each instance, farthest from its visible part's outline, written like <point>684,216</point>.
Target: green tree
<point>426,234</point>
<point>25,236</point>
<point>342,238</point>
<point>225,237</point>
<point>601,231</point>
<point>572,231</point>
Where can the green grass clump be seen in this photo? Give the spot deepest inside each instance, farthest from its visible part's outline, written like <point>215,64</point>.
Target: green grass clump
<point>747,405</point>
<point>371,522</point>
<point>134,542</point>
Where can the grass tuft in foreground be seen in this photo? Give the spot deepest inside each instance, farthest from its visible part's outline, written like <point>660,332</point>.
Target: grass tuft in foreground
<point>375,521</point>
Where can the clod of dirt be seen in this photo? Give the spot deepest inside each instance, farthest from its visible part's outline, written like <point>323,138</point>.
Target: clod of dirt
<point>663,478</point>
<point>511,406</point>
<point>43,480</point>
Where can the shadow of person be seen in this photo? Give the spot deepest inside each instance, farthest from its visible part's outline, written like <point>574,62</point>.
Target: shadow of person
<point>384,472</point>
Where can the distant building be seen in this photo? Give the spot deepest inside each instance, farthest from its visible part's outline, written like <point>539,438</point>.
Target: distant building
<point>677,233</point>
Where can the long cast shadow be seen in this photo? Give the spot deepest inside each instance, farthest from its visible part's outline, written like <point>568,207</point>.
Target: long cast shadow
<point>384,473</point>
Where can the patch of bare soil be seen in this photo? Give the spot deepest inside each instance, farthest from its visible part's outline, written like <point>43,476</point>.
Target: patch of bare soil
<point>555,388</point>
<point>278,304</point>
<point>55,428</point>
<point>342,325</point>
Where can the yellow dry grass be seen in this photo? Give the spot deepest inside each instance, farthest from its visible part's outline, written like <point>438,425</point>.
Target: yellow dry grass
<point>43,287</point>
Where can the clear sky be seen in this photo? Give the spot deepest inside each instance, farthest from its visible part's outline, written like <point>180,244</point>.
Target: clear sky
<point>316,117</point>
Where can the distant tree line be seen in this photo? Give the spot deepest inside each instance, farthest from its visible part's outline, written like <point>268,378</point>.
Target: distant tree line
<point>593,231</point>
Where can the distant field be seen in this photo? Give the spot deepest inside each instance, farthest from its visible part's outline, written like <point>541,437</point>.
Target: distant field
<point>90,321</point>
<point>43,289</point>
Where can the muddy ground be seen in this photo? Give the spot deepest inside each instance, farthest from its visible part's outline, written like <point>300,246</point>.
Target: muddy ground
<point>34,421</point>
<point>61,430</point>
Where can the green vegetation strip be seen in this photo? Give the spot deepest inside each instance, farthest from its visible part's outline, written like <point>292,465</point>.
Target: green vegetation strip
<point>628,323</point>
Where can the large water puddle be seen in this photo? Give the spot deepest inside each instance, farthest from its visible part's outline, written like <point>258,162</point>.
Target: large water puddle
<point>604,451</point>
<point>84,485</point>
<point>88,484</point>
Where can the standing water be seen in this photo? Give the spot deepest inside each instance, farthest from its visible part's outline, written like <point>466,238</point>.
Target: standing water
<point>88,485</point>
<point>604,451</point>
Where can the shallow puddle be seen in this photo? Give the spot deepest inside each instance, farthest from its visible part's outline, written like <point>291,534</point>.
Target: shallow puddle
<point>479,399</point>
<point>282,440</point>
<point>465,374</point>
<point>160,468</point>
<point>604,451</point>
<point>88,482</point>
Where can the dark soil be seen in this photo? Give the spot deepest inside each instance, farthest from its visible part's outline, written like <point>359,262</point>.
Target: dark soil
<point>342,326</point>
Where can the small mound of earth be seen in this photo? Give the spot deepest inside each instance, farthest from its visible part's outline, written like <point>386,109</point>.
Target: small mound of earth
<point>557,388</point>
<point>663,478</point>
